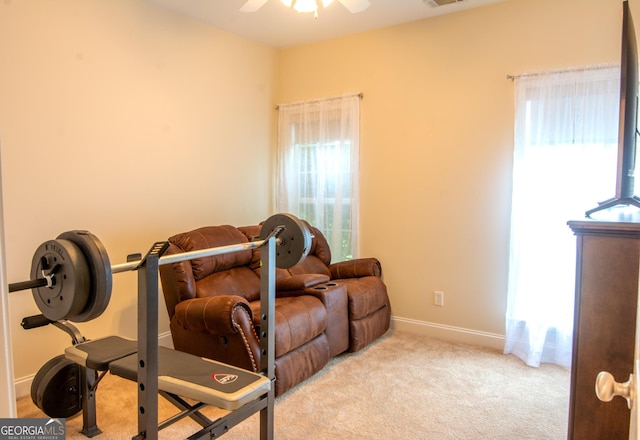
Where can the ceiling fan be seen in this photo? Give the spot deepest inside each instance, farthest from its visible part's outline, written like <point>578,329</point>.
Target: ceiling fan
<point>354,6</point>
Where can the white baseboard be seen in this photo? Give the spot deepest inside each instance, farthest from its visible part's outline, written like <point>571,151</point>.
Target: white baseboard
<point>164,340</point>
<point>23,384</point>
<point>449,333</point>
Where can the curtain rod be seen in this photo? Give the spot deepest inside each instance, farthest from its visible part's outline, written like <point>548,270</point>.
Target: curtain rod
<point>567,69</point>
<point>359,95</point>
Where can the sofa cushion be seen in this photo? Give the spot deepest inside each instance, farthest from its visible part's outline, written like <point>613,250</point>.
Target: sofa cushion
<point>240,281</point>
<point>365,330</point>
<point>210,237</point>
<point>366,295</point>
<point>299,319</point>
<point>319,246</point>
<point>296,366</point>
<point>311,264</point>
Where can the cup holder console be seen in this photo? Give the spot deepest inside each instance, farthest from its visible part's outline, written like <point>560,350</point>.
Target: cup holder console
<point>325,286</point>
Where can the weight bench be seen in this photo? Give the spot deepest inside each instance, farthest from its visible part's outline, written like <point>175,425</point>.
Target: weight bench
<point>72,280</point>
<point>180,375</point>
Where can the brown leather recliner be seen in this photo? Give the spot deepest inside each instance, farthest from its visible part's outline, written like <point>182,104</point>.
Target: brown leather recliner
<point>214,303</point>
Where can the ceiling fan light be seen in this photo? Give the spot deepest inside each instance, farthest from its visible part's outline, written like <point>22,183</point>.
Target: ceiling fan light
<point>305,6</point>
<point>326,3</point>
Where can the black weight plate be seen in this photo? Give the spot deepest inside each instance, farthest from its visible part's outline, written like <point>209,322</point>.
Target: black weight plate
<point>100,269</point>
<point>39,375</point>
<point>69,293</point>
<point>294,241</point>
<point>56,388</point>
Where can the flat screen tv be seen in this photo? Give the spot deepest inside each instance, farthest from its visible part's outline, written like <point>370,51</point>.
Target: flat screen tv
<point>628,127</point>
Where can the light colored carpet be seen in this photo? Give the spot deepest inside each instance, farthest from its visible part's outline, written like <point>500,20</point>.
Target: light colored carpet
<point>403,386</point>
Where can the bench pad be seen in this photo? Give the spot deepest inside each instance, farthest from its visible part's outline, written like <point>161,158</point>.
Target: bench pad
<point>99,353</point>
<point>204,380</point>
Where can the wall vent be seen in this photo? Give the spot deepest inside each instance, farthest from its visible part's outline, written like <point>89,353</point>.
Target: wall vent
<point>436,3</point>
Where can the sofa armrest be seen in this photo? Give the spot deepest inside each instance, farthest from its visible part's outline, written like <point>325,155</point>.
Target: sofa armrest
<point>358,268</point>
<point>300,282</point>
<point>215,315</point>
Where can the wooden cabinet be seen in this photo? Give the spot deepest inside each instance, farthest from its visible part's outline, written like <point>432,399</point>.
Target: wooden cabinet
<point>608,258</point>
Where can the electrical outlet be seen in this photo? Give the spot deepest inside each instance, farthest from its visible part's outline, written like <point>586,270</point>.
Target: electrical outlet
<point>438,298</point>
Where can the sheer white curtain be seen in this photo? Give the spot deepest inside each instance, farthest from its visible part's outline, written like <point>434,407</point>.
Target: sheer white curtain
<point>317,170</point>
<point>565,146</point>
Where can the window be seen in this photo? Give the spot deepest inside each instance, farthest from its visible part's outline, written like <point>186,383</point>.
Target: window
<point>565,149</point>
<point>317,180</point>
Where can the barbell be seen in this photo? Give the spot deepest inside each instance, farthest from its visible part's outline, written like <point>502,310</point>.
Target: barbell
<point>71,276</point>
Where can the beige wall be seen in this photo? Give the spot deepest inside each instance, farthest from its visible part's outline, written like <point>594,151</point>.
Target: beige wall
<point>135,123</point>
<point>129,121</point>
<point>436,147</point>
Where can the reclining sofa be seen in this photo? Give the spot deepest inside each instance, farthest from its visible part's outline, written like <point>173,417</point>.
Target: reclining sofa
<point>321,309</point>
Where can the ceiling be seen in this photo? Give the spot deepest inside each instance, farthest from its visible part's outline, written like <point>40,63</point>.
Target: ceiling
<point>279,26</point>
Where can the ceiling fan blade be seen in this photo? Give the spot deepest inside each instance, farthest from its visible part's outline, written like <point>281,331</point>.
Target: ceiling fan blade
<point>252,5</point>
<point>355,6</point>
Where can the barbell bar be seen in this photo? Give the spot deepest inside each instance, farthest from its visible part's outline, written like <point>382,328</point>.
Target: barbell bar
<point>192,255</point>
<point>24,285</point>
<point>71,276</point>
